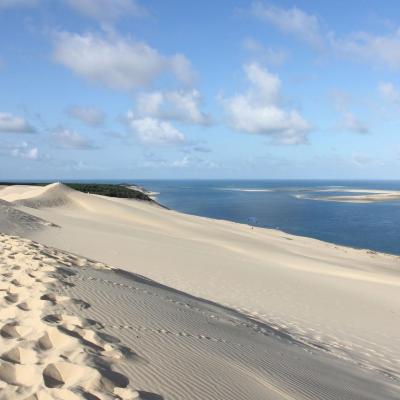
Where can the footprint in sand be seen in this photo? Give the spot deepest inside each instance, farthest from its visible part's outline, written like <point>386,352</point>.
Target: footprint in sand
<point>19,375</point>
<point>16,293</point>
<point>33,304</point>
<point>67,374</point>
<point>54,298</point>
<point>54,339</point>
<point>14,330</point>
<point>53,356</point>
<point>20,355</point>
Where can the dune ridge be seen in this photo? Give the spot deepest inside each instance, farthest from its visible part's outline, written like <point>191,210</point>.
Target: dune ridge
<point>52,195</point>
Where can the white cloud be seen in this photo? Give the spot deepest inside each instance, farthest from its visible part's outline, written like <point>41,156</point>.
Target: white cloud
<point>154,161</point>
<point>17,3</point>
<point>182,68</point>
<point>351,123</point>
<point>153,131</point>
<point>117,62</point>
<point>67,139</point>
<point>149,121</point>
<point>193,161</point>
<point>348,120</point>
<point>291,21</point>
<point>12,124</point>
<point>382,49</point>
<point>107,10</point>
<point>389,92</point>
<point>181,106</point>
<point>183,162</point>
<point>149,103</point>
<point>88,115</point>
<point>265,55</point>
<point>25,152</point>
<point>258,111</point>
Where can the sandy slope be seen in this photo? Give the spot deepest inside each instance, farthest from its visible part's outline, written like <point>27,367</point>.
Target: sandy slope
<point>47,353</point>
<point>340,300</point>
<point>71,329</point>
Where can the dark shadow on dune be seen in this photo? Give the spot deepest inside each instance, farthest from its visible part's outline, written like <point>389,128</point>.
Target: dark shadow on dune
<point>66,272</point>
<point>82,304</point>
<point>149,396</point>
<point>109,377</point>
<point>250,322</point>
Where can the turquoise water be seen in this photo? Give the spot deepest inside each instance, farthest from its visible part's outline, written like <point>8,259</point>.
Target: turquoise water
<point>291,206</point>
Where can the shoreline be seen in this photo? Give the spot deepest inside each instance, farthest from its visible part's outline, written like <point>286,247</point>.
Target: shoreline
<point>281,231</point>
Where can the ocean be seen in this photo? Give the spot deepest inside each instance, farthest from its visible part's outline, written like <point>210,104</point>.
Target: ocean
<point>293,206</point>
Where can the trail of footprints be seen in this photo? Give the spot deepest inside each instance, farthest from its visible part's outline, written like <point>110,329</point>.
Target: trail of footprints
<point>278,330</point>
<point>140,328</point>
<point>271,330</point>
<point>46,354</point>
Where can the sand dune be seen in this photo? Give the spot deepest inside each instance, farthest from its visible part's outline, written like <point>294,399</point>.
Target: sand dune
<point>53,195</point>
<point>92,332</point>
<point>14,221</point>
<point>331,301</point>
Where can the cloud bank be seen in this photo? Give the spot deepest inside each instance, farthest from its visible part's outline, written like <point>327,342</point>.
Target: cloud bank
<point>117,62</point>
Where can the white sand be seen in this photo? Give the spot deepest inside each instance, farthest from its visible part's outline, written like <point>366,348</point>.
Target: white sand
<point>368,196</point>
<point>341,302</point>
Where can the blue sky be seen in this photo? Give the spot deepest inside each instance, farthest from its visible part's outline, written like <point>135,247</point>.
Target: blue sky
<point>179,89</point>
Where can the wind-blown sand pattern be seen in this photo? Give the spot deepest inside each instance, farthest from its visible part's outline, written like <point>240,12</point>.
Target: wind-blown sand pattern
<point>301,319</point>
<point>75,329</point>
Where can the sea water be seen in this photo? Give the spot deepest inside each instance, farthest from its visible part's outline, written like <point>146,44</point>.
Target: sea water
<point>293,206</point>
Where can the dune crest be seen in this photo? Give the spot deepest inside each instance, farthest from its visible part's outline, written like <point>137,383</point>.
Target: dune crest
<point>53,195</point>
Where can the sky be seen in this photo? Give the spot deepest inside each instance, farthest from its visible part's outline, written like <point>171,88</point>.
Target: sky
<point>135,89</point>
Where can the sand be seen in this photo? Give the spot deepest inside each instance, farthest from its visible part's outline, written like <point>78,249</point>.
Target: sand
<point>291,317</point>
<point>367,196</point>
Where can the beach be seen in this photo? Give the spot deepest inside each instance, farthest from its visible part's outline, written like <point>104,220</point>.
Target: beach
<point>367,198</point>
<point>158,304</point>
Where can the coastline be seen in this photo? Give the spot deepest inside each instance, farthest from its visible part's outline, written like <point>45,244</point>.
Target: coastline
<point>342,223</point>
<point>316,293</point>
